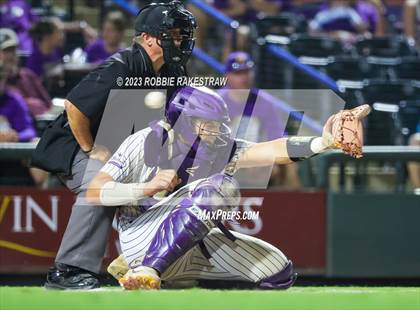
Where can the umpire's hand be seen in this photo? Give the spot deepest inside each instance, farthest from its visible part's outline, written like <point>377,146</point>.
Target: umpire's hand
<point>165,180</point>
<point>99,152</point>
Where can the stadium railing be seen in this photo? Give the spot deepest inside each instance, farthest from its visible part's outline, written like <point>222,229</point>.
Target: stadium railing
<point>127,6</point>
<point>399,155</point>
<point>16,151</point>
<point>390,154</point>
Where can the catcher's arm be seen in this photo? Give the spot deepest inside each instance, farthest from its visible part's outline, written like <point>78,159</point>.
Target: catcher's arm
<point>283,151</point>
<point>104,190</point>
<point>342,130</point>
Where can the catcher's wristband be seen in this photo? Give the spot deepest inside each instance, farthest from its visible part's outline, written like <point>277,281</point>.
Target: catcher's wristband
<point>301,148</point>
<point>117,194</point>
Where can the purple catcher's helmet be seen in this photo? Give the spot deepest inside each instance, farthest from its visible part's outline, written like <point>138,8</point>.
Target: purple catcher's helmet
<point>198,103</point>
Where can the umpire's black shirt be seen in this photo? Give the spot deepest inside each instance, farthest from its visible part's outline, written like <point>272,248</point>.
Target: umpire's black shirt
<point>57,148</point>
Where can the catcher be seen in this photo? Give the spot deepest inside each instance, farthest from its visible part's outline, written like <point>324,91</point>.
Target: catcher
<point>189,159</point>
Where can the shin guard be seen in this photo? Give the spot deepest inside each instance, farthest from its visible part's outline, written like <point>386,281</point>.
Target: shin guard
<point>186,226</point>
<point>177,234</point>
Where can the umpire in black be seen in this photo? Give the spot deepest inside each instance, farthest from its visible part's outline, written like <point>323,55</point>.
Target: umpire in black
<point>163,43</point>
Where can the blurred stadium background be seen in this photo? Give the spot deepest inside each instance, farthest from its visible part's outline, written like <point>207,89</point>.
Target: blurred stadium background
<point>338,219</point>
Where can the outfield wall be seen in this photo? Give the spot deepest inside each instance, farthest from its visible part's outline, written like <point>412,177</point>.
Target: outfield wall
<point>373,235</point>
<point>338,235</point>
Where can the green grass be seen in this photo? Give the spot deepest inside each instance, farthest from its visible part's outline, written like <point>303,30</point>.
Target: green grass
<point>313,298</point>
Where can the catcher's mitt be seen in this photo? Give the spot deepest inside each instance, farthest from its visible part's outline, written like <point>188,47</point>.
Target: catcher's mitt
<point>347,130</point>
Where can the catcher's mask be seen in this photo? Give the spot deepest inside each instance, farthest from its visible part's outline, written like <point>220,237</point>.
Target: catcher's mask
<point>213,133</point>
<point>169,22</point>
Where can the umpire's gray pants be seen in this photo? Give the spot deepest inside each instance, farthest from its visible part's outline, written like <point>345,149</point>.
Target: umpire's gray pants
<point>85,239</point>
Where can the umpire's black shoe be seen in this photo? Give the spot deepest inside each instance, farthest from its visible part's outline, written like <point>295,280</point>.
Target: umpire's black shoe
<point>66,277</point>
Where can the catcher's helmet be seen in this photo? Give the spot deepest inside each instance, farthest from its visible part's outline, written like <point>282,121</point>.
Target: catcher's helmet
<point>191,103</point>
<point>158,19</point>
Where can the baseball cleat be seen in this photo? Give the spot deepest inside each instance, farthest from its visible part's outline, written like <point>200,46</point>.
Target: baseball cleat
<point>141,278</point>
